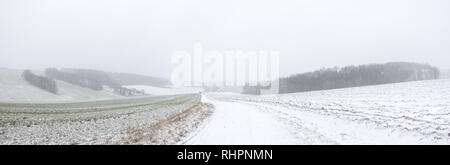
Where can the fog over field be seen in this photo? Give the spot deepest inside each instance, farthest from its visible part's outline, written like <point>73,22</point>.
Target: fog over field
<point>139,36</point>
<point>224,72</point>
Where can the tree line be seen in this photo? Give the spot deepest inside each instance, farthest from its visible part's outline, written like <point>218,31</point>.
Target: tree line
<point>353,76</point>
<point>73,78</point>
<point>92,79</point>
<point>42,82</point>
<point>128,92</point>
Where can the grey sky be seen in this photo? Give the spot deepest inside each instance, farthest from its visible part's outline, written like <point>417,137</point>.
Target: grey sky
<point>140,36</point>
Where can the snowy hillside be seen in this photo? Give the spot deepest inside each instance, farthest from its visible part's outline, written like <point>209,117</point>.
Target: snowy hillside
<point>402,113</point>
<point>14,89</point>
<point>156,91</point>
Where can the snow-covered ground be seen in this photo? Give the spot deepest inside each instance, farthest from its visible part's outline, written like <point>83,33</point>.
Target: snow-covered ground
<point>151,120</point>
<point>239,124</point>
<point>13,88</point>
<point>402,113</point>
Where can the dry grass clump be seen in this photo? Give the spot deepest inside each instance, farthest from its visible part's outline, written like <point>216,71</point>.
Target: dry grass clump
<point>171,130</point>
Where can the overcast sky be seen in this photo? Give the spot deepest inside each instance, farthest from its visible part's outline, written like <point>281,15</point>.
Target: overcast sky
<point>139,36</point>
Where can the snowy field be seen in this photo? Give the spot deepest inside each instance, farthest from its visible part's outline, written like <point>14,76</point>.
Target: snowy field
<point>402,113</point>
<point>13,88</point>
<point>78,115</point>
<point>152,120</point>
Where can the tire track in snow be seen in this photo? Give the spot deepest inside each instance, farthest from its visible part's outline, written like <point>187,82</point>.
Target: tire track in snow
<point>319,129</point>
<point>242,122</point>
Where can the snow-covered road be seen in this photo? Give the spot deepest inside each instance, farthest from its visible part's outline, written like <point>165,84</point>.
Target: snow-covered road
<point>240,124</point>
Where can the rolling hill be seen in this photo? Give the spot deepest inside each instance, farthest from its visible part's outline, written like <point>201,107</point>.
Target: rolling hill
<point>13,88</point>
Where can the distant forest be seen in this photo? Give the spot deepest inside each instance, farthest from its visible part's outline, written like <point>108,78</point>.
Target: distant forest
<point>89,79</point>
<point>44,83</point>
<point>353,76</point>
<point>97,80</point>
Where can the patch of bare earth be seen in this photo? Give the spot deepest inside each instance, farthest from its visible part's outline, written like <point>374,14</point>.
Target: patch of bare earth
<point>171,130</point>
